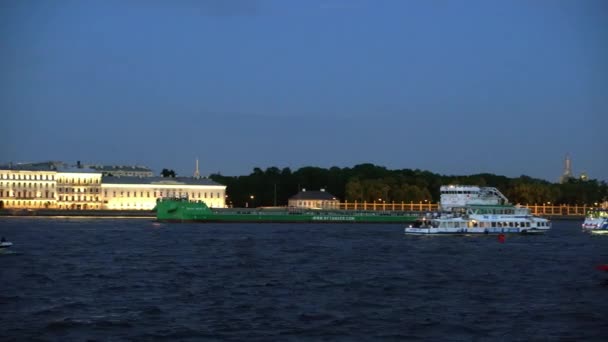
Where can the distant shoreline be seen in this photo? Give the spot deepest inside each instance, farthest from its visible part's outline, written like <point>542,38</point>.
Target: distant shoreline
<point>147,214</point>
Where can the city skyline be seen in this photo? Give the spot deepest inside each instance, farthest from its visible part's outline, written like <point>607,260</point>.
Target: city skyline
<point>567,171</point>
<point>455,88</point>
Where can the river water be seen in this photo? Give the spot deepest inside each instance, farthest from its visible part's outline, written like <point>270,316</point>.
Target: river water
<point>134,279</point>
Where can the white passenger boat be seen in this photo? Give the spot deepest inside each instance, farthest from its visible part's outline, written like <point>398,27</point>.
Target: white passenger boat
<point>466,209</point>
<point>596,221</point>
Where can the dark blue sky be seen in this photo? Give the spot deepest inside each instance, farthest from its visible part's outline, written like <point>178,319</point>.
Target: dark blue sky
<point>454,87</point>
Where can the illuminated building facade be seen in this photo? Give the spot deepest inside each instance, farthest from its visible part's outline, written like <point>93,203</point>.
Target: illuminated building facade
<point>53,186</point>
<point>128,193</point>
<point>78,188</point>
<point>27,187</point>
<point>314,200</point>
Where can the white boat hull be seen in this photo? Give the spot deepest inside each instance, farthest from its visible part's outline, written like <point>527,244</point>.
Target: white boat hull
<point>468,231</point>
<point>596,221</point>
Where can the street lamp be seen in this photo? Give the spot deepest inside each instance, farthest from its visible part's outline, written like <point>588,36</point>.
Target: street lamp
<point>251,197</point>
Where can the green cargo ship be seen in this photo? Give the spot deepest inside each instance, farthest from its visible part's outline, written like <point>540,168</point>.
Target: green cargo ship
<point>182,210</point>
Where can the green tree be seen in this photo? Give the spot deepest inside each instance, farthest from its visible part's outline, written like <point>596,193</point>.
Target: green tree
<point>168,173</point>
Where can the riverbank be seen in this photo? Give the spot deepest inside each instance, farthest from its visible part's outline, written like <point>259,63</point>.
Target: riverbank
<point>79,213</point>
<point>152,214</point>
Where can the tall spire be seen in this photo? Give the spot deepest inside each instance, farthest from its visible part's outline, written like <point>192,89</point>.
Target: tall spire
<point>567,169</point>
<point>197,174</point>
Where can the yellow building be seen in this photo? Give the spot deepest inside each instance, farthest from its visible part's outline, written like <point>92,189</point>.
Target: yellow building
<point>78,188</point>
<point>314,200</point>
<point>128,193</point>
<point>27,186</point>
<point>54,186</point>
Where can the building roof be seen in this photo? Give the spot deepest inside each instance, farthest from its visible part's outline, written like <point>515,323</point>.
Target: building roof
<point>109,168</point>
<point>313,195</point>
<point>75,169</point>
<point>159,180</point>
<point>63,167</point>
<point>42,166</point>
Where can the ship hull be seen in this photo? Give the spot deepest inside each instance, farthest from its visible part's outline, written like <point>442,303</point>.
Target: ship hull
<point>175,211</point>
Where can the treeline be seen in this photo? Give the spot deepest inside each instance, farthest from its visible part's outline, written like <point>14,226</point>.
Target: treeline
<point>369,182</point>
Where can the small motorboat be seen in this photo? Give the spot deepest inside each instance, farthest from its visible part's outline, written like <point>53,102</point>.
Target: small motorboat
<point>4,245</point>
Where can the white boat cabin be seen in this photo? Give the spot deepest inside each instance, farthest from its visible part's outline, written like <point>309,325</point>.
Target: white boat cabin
<point>463,195</point>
